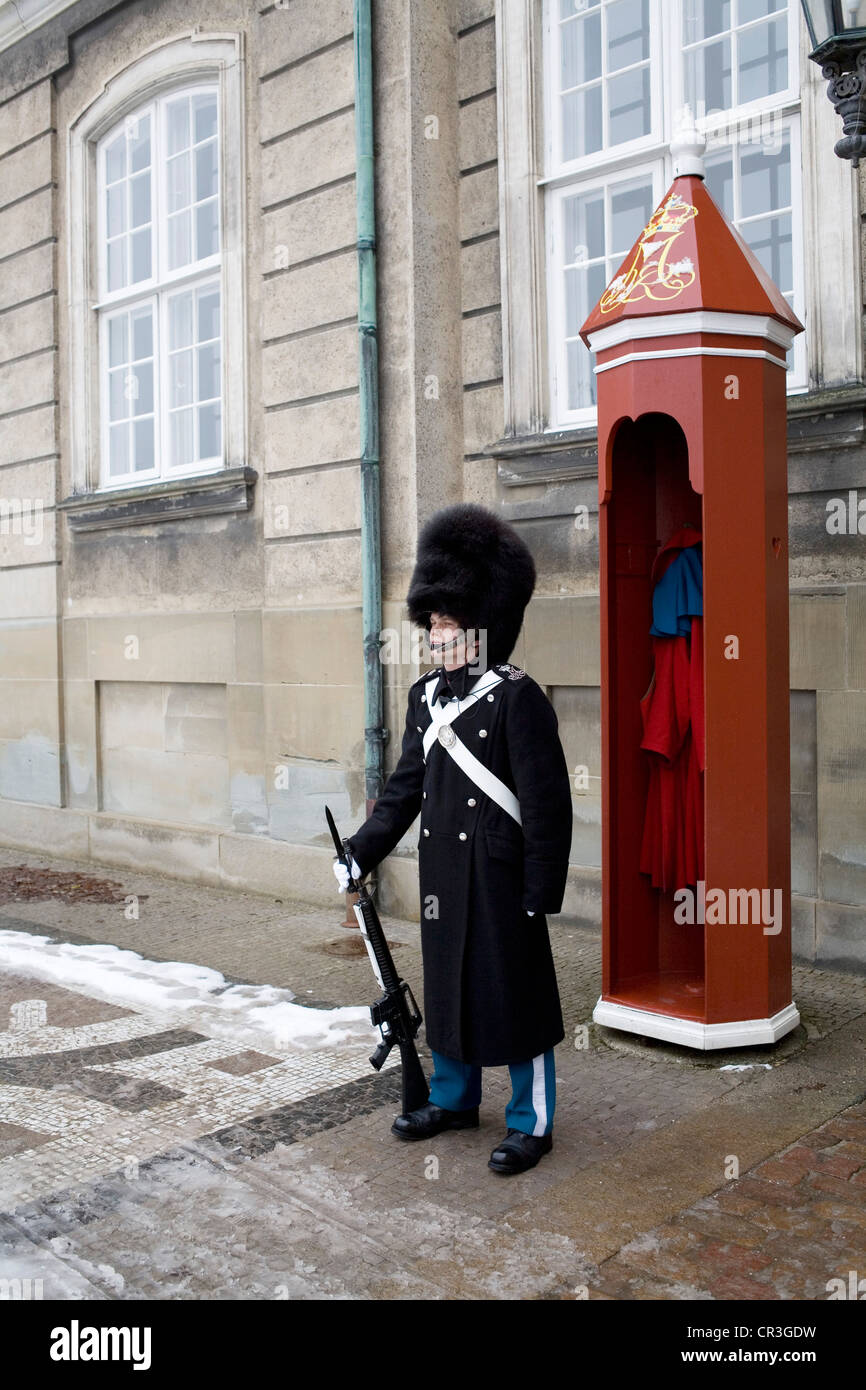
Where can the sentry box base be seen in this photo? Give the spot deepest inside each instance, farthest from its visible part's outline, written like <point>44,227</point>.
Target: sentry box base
<point>687,1032</point>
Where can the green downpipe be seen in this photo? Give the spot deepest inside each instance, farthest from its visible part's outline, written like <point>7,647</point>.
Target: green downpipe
<point>371,559</point>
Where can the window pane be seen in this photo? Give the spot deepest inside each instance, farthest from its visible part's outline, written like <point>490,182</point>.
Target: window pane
<point>209,372</point>
<point>141,255</point>
<point>765,179</point>
<point>584,287</point>
<point>178,240</point>
<point>206,170</point>
<point>708,77</point>
<point>118,350</point>
<point>627,33</point>
<point>630,210</point>
<point>581,378</point>
<point>178,125</point>
<point>755,9</point>
<point>629,98</point>
<point>117,264</point>
<point>210,445</point>
<point>180,320</point>
<point>204,116</point>
<point>118,450</point>
<point>181,438</point>
<point>177,181</point>
<point>570,7</point>
<point>142,335</point>
<point>143,436</point>
<point>118,395</point>
<point>770,239</point>
<point>180,378</point>
<point>143,399</point>
<point>762,57</point>
<point>581,51</point>
<point>140,200</point>
<point>584,227</point>
<point>139,143</point>
<point>207,229</point>
<point>115,209</point>
<point>208,314</point>
<point>115,159</point>
<point>703,18</point>
<point>581,123</point>
<point>720,182</point>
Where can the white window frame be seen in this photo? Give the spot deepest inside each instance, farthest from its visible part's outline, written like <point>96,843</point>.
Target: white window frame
<point>830,265</point>
<point>788,98</point>
<point>558,346</point>
<point>619,162</point>
<point>180,63</point>
<point>628,149</point>
<point>798,375</point>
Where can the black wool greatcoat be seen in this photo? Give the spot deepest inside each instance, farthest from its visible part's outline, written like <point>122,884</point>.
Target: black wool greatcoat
<point>490,993</point>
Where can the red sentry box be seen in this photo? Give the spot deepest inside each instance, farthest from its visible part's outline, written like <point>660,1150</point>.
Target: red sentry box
<point>691,339</point>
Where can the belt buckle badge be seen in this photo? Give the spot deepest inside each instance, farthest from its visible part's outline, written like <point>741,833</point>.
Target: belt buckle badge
<point>446,735</point>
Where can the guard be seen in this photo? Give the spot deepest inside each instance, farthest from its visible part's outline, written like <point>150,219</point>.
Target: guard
<point>483,765</point>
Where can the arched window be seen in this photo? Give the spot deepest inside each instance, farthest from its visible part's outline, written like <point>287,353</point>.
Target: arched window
<point>158,344</point>
<point>159,285</point>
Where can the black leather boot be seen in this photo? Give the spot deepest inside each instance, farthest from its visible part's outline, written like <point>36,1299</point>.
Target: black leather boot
<point>519,1151</point>
<point>430,1119</point>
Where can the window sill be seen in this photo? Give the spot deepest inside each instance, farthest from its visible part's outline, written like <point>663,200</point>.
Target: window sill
<point>553,456</point>
<point>816,419</point>
<point>229,490</point>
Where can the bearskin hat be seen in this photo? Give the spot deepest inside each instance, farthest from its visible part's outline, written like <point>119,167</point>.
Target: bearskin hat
<point>473,566</point>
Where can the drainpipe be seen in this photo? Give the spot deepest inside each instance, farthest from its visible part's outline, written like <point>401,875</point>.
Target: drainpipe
<point>371,560</point>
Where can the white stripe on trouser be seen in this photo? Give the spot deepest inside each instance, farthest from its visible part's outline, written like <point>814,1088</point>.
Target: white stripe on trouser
<point>539,1094</point>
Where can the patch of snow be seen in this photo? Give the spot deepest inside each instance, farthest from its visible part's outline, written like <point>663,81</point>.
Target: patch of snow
<point>194,996</point>
<point>747,1066</point>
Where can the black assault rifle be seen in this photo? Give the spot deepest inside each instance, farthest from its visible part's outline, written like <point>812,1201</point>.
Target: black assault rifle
<point>396,1014</point>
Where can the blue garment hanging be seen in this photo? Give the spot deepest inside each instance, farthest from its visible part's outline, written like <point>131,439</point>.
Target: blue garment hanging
<point>678,596</point>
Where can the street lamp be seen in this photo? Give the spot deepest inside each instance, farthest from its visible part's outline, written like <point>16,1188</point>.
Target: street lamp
<point>837,29</point>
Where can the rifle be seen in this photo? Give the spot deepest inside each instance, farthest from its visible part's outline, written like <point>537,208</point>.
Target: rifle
<point>396,1014</point>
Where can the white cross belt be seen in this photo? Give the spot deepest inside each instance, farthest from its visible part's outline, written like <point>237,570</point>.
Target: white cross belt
<point>442,716</point>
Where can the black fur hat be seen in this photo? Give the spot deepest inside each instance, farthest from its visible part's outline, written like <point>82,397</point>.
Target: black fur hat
<point>473,566</point>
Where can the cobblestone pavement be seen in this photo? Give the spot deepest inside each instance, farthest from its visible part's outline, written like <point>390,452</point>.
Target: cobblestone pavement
<point>143,1157</point>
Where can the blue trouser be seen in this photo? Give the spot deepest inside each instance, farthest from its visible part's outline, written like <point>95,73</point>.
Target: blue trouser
<point>457,1086</point>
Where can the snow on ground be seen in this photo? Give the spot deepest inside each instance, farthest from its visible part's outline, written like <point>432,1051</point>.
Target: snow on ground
<point>194,996</point>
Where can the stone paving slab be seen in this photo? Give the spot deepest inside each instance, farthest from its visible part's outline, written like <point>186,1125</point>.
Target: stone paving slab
<point>241,1188</point>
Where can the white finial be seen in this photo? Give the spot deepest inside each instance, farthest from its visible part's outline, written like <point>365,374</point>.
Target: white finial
<point>687,147</point>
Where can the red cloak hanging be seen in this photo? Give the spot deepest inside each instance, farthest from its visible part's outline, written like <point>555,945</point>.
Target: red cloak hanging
<point>672,712</point>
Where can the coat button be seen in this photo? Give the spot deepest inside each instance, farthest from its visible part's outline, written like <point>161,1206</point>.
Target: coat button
<point>482,733</point>
<point>462,835</point>
<point>490,697</point>
<point>423,793</point>
<point>470,802</point>
<point>426,832</point>
<point>423,699</point>
<point>418,727</point>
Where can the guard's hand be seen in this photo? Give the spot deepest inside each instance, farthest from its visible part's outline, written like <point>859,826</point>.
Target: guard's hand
<point>342,873</point>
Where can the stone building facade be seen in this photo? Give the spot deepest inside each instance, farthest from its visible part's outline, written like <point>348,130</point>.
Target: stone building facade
<point>180,567</point>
